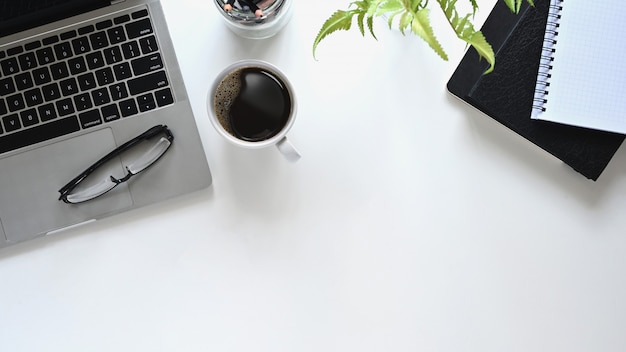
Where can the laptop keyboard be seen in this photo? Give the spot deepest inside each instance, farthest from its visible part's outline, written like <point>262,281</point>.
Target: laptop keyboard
<point>80,78</point>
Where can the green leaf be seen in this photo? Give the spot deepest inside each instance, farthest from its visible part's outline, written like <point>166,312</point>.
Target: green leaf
<point>515,5</point>
<point>421,26</point>
<point>474,7</point>
<point>414,14</point>
<point>484,49</point>
<point>465,31</point>
<point>415,5</point>
<point>359,21</point>
<point>389,6</point>
<point>372,7</point>
<point>370,26</point>
<point>511,4</point>
<point>340,20</point>
<point>405,21</point>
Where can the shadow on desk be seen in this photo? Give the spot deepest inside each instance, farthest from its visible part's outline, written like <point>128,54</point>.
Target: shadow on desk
<point>541,162</point>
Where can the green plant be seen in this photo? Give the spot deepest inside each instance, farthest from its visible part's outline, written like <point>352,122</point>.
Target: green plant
<point>414,15</point>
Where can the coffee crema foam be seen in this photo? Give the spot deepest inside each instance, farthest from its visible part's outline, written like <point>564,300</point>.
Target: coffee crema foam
<point>227,90</point>
<point>252,103</point>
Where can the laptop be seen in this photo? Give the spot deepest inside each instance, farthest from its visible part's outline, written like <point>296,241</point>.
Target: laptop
<point>78,79</point>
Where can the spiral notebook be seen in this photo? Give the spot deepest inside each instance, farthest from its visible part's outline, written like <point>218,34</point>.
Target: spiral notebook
<point>582,75</point>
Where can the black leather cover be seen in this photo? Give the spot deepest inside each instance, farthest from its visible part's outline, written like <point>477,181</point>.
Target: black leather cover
<point>506,94</point>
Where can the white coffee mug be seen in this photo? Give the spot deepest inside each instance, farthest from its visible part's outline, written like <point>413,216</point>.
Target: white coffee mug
<point>221,97</point>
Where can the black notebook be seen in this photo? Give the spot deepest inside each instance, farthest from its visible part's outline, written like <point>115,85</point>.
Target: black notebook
<point>507,93</point>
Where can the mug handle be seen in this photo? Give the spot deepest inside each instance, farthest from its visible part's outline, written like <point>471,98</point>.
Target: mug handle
<point>288,150</point>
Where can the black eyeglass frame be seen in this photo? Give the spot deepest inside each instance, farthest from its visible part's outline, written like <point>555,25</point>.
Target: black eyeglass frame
<point>149,134</point>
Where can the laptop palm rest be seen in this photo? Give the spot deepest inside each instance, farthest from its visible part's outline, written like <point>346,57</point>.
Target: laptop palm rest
<point>29,184</point>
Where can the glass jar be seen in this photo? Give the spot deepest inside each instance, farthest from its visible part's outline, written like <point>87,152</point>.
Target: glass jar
<point>255,19</point>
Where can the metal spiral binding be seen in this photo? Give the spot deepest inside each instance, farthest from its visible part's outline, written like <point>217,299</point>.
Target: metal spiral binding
<point>545,64</point>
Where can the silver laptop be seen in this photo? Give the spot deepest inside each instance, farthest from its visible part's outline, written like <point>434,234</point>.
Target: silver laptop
<point>94,117</point>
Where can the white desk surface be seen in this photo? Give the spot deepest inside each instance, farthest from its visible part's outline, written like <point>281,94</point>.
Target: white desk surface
<point>412,223</point>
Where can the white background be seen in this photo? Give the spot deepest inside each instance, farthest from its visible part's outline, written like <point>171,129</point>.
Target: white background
<point>412,223</point>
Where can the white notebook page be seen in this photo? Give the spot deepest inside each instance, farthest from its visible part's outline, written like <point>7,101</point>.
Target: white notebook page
<point>588,76</point>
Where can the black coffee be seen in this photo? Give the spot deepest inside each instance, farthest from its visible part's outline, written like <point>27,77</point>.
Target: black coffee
<point>252,103</point>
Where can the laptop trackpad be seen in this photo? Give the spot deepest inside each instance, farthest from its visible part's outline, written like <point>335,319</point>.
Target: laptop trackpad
<point>29,184</point>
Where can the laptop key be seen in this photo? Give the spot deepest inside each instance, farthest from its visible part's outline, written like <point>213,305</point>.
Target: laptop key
<point>99,40</point>
<point>86,29</point>
<point>105,76</point>
<point>81,45</point>
<point>148,44</point>
<point>90,118</point>
<point>86,81</point>
<point>41,76</point>
<point>24,81</point>
<point>27,61</point>
<point>139,14</point>
<point>51,92</point>
<point>100,96</point>
<point>15,102</point>
<point>15,50</point>
<point>45,56</point>
<point>104,24</point>
<point>147,83</point>
<point>33,97</point>
<point>146,102</point>
<point>164,97</point>
<point>110,113</point>
<point>7,86</point>
<point>39,133</point>
<point>59,70</point>
<point>116,35</point>
<point>65,107</point>
<point>95,60</point>
<point>69,86</point>
<point>122,71</point>
<point>32,45</point>
<point>118,91</point>
<point>9,66</point>
<point>139,28</point>
<point>113,55</point>
<point>11,123</point>
<point>47,112</point>
<point>121,19</point>
<point>128,107</point>
<point>68,35</point>
<point>77,65</point>
<point>63,50</point>
<point>147,64</point>
<point>130,50</point>
<point>83,102</point>
<point>29,117</point>
<point>50,40</point>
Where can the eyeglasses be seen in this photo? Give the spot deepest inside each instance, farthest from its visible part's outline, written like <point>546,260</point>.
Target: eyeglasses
<point>108,183</point>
